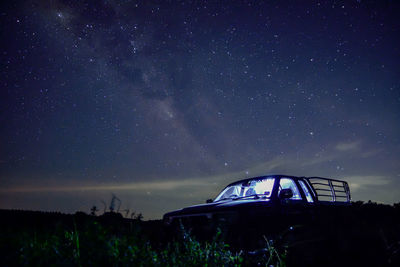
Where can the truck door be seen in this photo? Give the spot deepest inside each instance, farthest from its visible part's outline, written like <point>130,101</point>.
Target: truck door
<point>293,209</point>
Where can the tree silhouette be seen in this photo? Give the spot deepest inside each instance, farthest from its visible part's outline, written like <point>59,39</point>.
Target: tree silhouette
<point>112,204</point>
<point>93,210</point>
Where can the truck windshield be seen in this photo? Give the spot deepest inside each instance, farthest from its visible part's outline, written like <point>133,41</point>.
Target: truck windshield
<point>258,187</point>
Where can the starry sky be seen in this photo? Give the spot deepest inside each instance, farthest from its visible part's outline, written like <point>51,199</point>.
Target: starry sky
<point>163,103</point>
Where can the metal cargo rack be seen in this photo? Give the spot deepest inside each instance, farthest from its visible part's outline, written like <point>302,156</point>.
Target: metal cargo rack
<point>330,190</point>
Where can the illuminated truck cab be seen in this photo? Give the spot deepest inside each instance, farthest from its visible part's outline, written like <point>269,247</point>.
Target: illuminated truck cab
<point>252,208</point>
<point>257,193</point>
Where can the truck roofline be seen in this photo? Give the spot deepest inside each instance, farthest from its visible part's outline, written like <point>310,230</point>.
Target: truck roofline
<point>283,175</point>
<point>264,176</point>
<point>316,193</point>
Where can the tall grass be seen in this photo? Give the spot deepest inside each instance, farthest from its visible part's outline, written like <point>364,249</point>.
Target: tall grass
<point>96,245</point>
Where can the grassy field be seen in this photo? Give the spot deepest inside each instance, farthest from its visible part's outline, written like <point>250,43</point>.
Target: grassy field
<point>52,239</point>
<point>370,237</point>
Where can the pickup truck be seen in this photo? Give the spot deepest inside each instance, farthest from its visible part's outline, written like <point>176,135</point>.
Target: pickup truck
<point>264,205</point>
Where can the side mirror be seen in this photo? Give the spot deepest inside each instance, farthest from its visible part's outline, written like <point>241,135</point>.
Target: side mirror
<point>209,200</point>
<point>286,193</point>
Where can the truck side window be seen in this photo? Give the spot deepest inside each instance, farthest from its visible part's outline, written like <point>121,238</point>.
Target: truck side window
<point>306,192</point>
<point>286,183</point>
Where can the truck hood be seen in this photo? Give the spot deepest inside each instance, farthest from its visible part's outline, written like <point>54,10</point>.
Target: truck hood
<point>220,207</point>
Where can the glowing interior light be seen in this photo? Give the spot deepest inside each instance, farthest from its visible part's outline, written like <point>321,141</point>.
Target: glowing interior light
<point>265,186</point>
<point>251,188</point>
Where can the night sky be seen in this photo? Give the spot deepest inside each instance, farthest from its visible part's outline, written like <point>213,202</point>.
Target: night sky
<point>163,103</point>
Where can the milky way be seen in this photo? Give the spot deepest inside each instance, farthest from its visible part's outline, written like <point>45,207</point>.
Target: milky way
<point>165,102</point>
